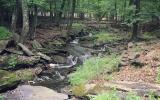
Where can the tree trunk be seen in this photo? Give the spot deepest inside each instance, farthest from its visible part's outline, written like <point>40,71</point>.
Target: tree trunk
<point>33,22</point>
<point>1,16</point>
<point>124,10</point>
<point>72,15</point>
<point>136,23</point>
<point>81,16</point>
<point>51,10</point>
<point>59,17</point>
<point>25,28</point>
<point>14,20</point>
<point>115,5</point>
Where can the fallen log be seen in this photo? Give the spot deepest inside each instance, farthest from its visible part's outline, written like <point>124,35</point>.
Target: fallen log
<point>12,51</point>
<point>44,56</point>
<point>25,50</point>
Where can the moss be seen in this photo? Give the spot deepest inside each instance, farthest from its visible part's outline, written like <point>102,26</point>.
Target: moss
<point>7,77</point>
<point>79,90</point>
<point>26,74</point>
<point>4,33</point>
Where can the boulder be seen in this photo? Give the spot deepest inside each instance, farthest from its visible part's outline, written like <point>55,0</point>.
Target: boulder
<point>9,80</point>
<point>130,45</point>
<point>3,44</point>
<point>27,92</point>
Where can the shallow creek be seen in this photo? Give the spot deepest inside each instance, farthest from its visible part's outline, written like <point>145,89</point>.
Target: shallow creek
<point>57,78</point>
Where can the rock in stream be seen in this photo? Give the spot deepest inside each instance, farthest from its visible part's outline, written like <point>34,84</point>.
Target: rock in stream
<point>27,92</point>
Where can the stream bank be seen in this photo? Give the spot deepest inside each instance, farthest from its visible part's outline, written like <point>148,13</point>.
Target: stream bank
<point>66,54</point>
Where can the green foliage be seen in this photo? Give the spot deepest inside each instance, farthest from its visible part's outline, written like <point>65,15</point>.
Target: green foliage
<point>132,96</point>
<point>78,26</point>
<point>158,76</point>
<point>149,36</point>
<point>7,77</point>
<point>152,96</point>
<point>79,90</point>
<point>1,97</point>
<point>107,96</point>
<point>4,33</point>
<point>93,67</point>
<point>112,95</point>
<point>106,37</point>
<point>12,61</point>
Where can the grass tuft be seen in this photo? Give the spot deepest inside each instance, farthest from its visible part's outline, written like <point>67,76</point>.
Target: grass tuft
<point>106,37</point>
<point>107,96</point>
<point>92,67</point>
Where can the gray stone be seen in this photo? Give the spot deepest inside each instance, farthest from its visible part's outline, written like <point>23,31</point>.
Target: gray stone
<point>3,44</point>
<point>27,92</point>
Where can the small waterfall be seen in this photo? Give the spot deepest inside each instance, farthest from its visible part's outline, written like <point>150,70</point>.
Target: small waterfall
<point>75,41</point>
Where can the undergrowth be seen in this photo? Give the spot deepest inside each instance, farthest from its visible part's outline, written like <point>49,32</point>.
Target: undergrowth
<point>78,26</point>
<point>4,33</point>
<point>112,95</point>
<point>106,37</point>
<point>92,67</point>
<point>107,96</point>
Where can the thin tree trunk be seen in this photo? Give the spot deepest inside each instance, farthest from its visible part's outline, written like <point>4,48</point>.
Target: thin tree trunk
<point>72,15</point>
<point>33,22</point>
<point>14,20</point>
<point>59,17</point>
<point>51,11</point>
<point>25,28</point>
<point>136,23</point>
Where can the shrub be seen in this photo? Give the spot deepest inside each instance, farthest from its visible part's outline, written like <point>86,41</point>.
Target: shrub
<point>4,33</point>
<point>92,67</point>
<point>106,37</point>
<point>77,26</point>
<point>12,61</point>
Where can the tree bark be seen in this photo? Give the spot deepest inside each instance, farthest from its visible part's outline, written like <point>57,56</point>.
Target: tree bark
<point>59,17</point>
<point>136,23</point>
<point>33,22</point>
<point>25,28</point>
<point>51,10</point>
<point>72,15</point>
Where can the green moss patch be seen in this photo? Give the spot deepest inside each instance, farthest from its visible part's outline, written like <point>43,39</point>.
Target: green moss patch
<point>4,33</point>
<point>7,77</point>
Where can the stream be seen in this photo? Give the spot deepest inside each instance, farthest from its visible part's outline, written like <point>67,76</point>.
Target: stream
<point>56,78</point>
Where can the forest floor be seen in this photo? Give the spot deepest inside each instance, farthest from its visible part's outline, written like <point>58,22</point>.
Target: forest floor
<point>138,62</point>
<point>139,71</point>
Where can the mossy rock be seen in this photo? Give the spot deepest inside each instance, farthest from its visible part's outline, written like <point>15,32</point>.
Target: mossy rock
<point>12,79</point>
<point>3,44</point>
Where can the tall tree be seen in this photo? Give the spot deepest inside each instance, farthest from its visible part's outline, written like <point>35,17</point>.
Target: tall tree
<point>25,28</point>
<point>72,15</point>
<point>136,23</point>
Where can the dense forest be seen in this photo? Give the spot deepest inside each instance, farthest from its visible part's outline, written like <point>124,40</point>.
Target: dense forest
<point>79,49</point>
